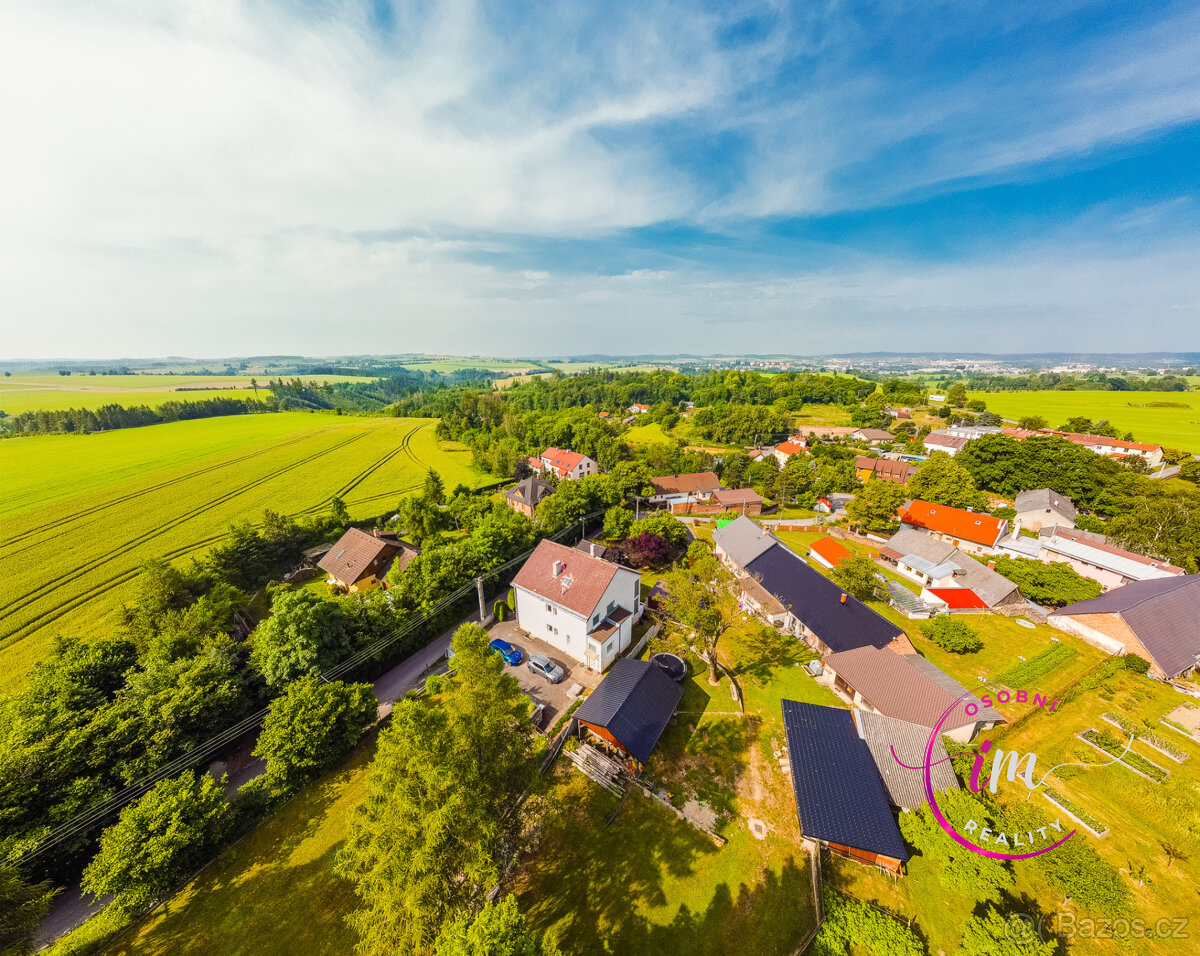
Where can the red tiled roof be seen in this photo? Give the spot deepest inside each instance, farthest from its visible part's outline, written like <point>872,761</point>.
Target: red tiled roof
<point>562,460</point>
<point>580,584</point>
<point>887,468</point>
<point>830,550</point>
<point>968,525</point>
<point>697,482</point>
<point>1079,438</point>
<point>959,599</point>
<point>790,447</point>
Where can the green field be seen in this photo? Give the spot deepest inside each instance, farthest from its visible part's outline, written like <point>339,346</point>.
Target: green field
<point>81,514</point>
<point>1128,411</point>
<point>651,434</point>
<point>49,392</point>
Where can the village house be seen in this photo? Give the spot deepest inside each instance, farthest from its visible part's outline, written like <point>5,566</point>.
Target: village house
<point>972,532</point>
<point>360,561</point>
<point>841,801</point>
<point>526,495</point>
<point>1090,555</point>
<point>833,504</point>
<point>1099,444</point>
<point>638,409</point>
<point>898,749</point>
<point>631,708</point>
<point>1158,620</point>
<point>684,489</point>
<point>943,440</point>
<point>872,435</point>
<point>1043,508</point>
<point>745,500</point>
<point>906,687</point>
<point>785,450</point>
<point>740,542</point>
<point>580,604</point>
<point>564,463</point>
<point>897,472</point>
<point>941,568</point>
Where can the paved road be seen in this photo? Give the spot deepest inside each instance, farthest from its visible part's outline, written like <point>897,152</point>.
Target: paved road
<point>72,906</point>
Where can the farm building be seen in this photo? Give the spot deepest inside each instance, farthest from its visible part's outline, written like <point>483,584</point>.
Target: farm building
<point>824,432</point>
<point>897,472</point>
<point>841,801</point>
<point>828,552</point>
<point>359,561</point>
<point>938,565</point>
<point>1158,620</point>
<point>527,495</point>
<point>745,500</point>
<point>740,542</point>
<point>631,708</point>
<point>968,530</point>
<point>580,604</point>
<point>906,687</point>
<point>1090,556</point>
<point>683,489</point>
<point>1043,508</point>
<point>564,463</point>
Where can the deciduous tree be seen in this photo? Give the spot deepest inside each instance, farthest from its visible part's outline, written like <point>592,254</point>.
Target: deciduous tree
<point>874,507</point>
<point>305,634</point>
<point>856,576</point>
<point>943,481</point>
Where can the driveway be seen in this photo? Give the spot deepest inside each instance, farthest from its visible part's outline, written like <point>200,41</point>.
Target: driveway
<point>541,691</point>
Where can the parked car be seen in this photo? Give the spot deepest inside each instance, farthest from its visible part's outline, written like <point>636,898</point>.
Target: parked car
<point>544,667</point>
<point>512,655</point>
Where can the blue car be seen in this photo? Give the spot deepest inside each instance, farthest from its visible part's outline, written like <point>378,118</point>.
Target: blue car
<point>511,655</point>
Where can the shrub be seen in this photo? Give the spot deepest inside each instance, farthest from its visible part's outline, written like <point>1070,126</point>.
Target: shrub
<point>1135,664</point>
<point>951,634</point>
<point>648,550</point>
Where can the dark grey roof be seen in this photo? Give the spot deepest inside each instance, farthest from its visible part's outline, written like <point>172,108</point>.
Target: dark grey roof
<point>840,797</point>
<point>594,548</point>
<point>906,788</point>
<point>743,540</point>
<point>529,491</point>
<point>949,684</point>
<point>1041,499</point>
<point>989,585</point>
<point>817,602</point>
<point>634,703</point>
<point>1164,613</point>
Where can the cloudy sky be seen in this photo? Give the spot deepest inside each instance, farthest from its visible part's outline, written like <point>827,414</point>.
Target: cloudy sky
<point>226,178</point>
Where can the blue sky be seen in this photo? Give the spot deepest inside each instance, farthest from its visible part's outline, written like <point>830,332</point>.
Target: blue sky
<point>218,177</point>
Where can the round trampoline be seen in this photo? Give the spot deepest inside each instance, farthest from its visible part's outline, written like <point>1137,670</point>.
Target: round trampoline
<point>674,665</point>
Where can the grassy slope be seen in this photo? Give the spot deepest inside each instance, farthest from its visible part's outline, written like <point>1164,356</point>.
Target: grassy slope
<point>651,434</point>
<point>82,513</point>
<point>1178,427</point>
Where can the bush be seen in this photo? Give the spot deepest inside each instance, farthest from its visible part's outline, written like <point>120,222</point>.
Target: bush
<point>1135,664</point>
<point>951,634</point>
<point>648,550</point>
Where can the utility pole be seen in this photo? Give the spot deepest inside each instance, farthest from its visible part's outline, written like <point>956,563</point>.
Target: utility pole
<point>479,590</point>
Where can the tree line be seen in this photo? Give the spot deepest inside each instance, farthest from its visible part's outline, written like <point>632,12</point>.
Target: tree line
<point>83,421</point>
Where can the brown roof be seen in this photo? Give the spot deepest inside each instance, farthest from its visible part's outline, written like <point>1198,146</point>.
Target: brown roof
<point>826,431</point>
<point>895,471</point>
<point>875,434</point>
<point>580,583</point>
<point>733,497</point>
<point>358,554</point>
<point>893,686</point>
<point>761,596</point>
<point>698,482</point>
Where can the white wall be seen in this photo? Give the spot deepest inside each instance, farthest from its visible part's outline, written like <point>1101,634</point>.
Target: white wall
<point>568,631</point>
<point>557,626</point>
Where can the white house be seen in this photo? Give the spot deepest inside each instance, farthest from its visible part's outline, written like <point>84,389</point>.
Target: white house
<point>563,462</point>
<point>582,605</point>
<point>639,409</point>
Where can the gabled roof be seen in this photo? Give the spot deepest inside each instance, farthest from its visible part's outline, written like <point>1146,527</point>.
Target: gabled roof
<point>840,797</point>
<point>905,686</point>
<point>562,460</point>
<point>701,482</point>
<point>889,468</point>
<point>736,497</point>
<point>1137,567</point>
<point>817,602</point>
<point>743,540</point>
<point>830,550</point>
<point>1164,614</point>
<point>959,599</point>
<point>942,440</point>
<point>875,434</point>
<point>358,554</point>
<point>992,587</point>
<point>579,585</point>
<point>634,703</point>
<point>1043,499</point>
<point>529,491</point>
<point>905,788</point>
<point>790,447</point>
<point>968,525</point>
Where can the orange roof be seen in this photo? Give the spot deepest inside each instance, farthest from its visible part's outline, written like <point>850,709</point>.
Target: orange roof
<point>790,447</point>
<point>562,460</point>
<point>968,525</point>
<point>830,550</point>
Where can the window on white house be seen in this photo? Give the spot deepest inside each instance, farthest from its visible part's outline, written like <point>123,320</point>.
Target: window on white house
<point>608,647</point>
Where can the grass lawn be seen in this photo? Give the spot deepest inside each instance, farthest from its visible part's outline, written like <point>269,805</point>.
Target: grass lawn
<point>651,434</point>
<point>820,415</point>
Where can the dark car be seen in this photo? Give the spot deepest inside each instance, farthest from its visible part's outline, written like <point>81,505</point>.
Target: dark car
<point>544,667</point>
<point>511,654</point>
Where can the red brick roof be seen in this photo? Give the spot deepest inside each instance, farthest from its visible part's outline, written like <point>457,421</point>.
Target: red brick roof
<point>830,550</point>
<point>967,525</point>
<point>889,469</point>
<point>579,585</point>
<point>562,460</point>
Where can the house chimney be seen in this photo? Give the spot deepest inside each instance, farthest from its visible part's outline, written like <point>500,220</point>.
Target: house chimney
<point>558,568</point>
<point>991,565</point>
<point>843,599</point>
<point>376,532</point>
<point>592,548</point>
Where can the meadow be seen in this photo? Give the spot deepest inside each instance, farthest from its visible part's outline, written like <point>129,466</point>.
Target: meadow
<point>50,392</point>
<point>1178,427</point>
<point>81,514</point>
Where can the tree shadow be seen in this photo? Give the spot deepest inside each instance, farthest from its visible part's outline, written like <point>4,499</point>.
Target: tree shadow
<point>767,652</point>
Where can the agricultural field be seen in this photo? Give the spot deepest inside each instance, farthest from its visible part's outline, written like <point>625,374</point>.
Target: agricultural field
<point>1164,418</point>
<point>50,392</point>
<point>81,514</point>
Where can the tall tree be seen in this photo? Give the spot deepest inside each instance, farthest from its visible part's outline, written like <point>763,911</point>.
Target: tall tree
<point>305,633</point>
<point>157,841</point>
<point>944,481</point>
<point>434,491</point>
<point>874,507</point>
<point>994,934</point>
<point>311,727</point>
<point>857,577</point>
<point>22,907</point>
<point>701,596</point>
<point>443,812</point>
